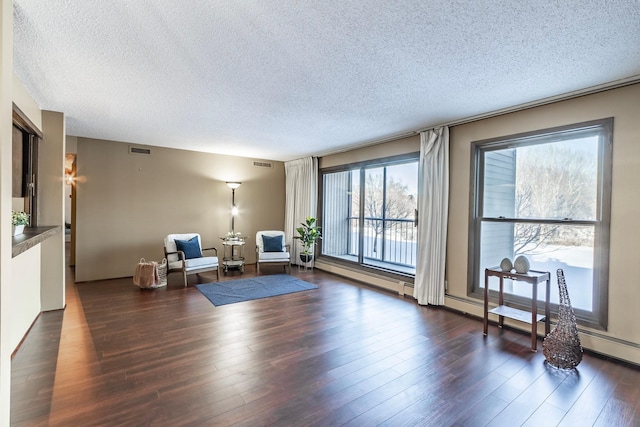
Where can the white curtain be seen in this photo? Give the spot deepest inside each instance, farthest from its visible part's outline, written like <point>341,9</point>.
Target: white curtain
<point>433,209</point>
<point>301,197</point>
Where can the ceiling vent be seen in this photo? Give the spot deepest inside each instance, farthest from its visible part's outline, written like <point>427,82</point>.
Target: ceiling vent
<point>139,150</point>
<point>262,164</point>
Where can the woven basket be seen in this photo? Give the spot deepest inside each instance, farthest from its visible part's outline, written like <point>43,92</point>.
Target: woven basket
<point>145,274</point>
<point>562,347</point>
<point>162,273</point>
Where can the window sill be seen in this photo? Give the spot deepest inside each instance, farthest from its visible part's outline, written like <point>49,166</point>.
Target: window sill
<point>354,266</point>
<point>31,237</point>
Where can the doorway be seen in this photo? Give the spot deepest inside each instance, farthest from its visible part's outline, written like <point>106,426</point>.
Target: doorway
<point>70,206</point>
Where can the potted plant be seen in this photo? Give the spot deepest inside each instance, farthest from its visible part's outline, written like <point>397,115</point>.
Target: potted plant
<point>308,234</point>
<point>18,220</point>
<point>232,235</point>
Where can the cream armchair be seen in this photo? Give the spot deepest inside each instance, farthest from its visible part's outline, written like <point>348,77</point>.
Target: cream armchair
<point>271,249</point>
<point>185,256</point>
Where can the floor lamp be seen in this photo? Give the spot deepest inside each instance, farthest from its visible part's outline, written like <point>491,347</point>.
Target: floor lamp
<point>234,209</point>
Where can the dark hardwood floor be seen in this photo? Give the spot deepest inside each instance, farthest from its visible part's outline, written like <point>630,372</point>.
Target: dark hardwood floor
<point>344,354</point>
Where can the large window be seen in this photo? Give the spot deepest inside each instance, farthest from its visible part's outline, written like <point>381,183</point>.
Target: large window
<point>546,196</point>
<point>368,214</point>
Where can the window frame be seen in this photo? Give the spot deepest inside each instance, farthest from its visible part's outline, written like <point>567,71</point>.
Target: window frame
<point>31,137</point>
<point>598,318</point>
<point>362,166</point>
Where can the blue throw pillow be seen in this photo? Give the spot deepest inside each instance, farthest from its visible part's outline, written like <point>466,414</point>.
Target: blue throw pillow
<point>272,243</point>
<point>191,247</point>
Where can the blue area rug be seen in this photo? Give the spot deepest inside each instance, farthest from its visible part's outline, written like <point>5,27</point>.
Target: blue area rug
<point>232,291</point>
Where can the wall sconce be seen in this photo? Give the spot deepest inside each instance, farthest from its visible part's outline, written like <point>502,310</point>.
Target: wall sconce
<point>68,179</point>
<point>234,209</point>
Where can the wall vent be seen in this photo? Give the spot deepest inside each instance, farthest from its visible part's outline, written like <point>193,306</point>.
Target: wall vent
<point>139,150</point>
<point>262,164</point>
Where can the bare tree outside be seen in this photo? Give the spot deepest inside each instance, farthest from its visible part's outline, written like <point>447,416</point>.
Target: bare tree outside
<point>399,203</point>
<point>553,182</point>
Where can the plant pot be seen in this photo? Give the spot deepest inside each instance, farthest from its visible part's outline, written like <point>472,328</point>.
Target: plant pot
<point>306,257</point>
<point>18,229</point>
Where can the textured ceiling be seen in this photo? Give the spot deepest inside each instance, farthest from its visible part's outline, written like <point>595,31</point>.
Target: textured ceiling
<point>283,79</point>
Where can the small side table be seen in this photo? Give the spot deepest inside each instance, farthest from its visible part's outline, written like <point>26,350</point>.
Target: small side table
<point>233,253</point>
<point>532,317</point>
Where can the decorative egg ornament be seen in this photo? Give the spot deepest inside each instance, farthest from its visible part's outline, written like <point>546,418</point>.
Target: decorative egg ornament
<point>506,265</point>
<point>521,264</point>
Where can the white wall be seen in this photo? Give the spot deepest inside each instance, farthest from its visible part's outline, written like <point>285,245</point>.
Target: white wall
<point>25,102</point>
<point>6,83</point>
<point>26,302</point>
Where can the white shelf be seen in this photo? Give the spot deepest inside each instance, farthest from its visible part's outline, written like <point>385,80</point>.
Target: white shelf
<point>514,313</point>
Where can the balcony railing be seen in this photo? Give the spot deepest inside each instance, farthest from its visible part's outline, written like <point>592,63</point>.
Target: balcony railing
<point>392,241</point>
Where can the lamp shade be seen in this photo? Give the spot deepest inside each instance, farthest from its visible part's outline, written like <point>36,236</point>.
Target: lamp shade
<point>233,185</point>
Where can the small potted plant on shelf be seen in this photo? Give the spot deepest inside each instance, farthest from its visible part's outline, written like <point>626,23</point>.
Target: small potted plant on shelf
<point>19,220</point>
<point>232,235</point>
<point>308,234</point>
